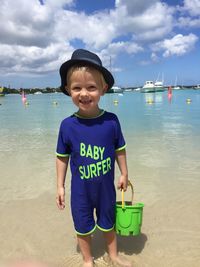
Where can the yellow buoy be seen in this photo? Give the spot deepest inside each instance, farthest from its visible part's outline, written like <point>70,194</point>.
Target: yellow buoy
<point>150,101</point>
<point>188,100</point>
<point>115,102</point>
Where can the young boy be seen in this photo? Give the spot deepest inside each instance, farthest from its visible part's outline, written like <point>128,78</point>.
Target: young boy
<point>92,139</point>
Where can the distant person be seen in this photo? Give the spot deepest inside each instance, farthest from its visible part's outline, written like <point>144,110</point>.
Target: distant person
<point>169,94</point>
<point>92,139</point>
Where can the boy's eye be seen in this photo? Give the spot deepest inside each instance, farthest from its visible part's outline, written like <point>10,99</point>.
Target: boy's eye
<point>76,89</point>
<point>91,88</point>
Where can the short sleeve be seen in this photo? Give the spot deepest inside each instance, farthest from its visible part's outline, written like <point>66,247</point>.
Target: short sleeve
<point>119,138</point>
<point>63,144</point>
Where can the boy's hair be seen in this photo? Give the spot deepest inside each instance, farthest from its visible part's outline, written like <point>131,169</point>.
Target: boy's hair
<point>85,68</point>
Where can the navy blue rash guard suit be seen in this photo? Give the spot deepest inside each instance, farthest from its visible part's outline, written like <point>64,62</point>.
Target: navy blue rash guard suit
<point>91,144</point>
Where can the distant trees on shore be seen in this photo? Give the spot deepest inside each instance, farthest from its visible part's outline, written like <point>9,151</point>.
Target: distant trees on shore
<point>30,90</point>
<point>34,90</point>
<point>47,90</point>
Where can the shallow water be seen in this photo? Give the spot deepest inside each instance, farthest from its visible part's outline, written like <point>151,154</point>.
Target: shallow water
<point>163,138</point>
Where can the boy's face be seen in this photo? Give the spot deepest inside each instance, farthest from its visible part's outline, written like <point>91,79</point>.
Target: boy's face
<point>85,88</point>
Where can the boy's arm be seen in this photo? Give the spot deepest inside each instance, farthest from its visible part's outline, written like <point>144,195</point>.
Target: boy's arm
<point>61,168</point>
<point>122,163</point>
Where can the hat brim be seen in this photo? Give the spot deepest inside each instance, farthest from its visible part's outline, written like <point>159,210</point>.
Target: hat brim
<point>68,64</point>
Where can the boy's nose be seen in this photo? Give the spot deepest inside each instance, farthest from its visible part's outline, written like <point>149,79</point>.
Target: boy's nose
<point>84,91</point>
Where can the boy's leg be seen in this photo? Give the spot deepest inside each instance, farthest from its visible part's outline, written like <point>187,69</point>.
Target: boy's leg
<point>84,243</point>
<point>111,241</point>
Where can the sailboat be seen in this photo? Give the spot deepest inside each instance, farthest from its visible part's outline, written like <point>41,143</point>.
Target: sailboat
<point>175,85</point>
<point>115,88</point>
<point>159,84</point>
<point>1,91</point>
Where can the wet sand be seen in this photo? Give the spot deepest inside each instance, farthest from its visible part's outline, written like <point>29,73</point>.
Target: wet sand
<point>35,229</point>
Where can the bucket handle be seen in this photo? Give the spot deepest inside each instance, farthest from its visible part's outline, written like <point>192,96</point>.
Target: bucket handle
<point>132,195</point>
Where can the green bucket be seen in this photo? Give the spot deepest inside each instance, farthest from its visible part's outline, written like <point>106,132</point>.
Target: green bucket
<point>128,216</point>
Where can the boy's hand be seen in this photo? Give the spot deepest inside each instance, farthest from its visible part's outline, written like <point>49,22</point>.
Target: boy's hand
<point>60,198</point>
<point>123,183</point>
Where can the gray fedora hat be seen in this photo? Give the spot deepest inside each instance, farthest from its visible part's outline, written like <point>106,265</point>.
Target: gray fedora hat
<point>82,56</point>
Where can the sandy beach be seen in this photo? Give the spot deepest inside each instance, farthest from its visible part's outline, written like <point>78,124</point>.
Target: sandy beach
<point>163,166</point>
<point>36,229</point>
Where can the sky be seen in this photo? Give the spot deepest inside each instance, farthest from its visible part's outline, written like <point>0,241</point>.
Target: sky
<point>137,40</point>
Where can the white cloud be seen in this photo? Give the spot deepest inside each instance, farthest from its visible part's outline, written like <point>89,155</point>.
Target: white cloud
<point>101,28</point>
<point>146,20</point>
<point>94,30</point>
<point>188,22</point>
<point>178,45</point>
<point>154,57</point>
<point>37,37</point>
<point>28,43</point>
<point>114,49</point>
<point>144,62</point>
<point>135,7</point>
<point>36,41</point>
<point>133,48</point>
<point>192,6</point>
<point>190,14</point>
<point>16,59</point>
<point>58,3</point>
<point>25,23</point>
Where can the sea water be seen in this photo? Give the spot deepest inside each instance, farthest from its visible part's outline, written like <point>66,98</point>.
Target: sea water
<point>162,136</point>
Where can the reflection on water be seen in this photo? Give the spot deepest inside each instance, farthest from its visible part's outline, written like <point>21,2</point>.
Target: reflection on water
<point>151,98</point>
<point>161,135</point>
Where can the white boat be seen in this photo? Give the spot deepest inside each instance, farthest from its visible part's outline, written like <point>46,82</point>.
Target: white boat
<point>38,93</point>
<point>176,87</point>
<point>159,86</point>
<point>148,87</point>
<point>117,89</point>
<point>151,87</point>
<point>198,86</point>
<point>137,89</point>
<point>128,90</point>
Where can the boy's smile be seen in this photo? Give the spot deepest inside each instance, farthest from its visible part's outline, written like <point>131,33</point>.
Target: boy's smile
<point>85,102</point>
<point>86,89</point>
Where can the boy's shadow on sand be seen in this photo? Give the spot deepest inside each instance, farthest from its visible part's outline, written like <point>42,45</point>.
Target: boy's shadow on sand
<point>127,244</point>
